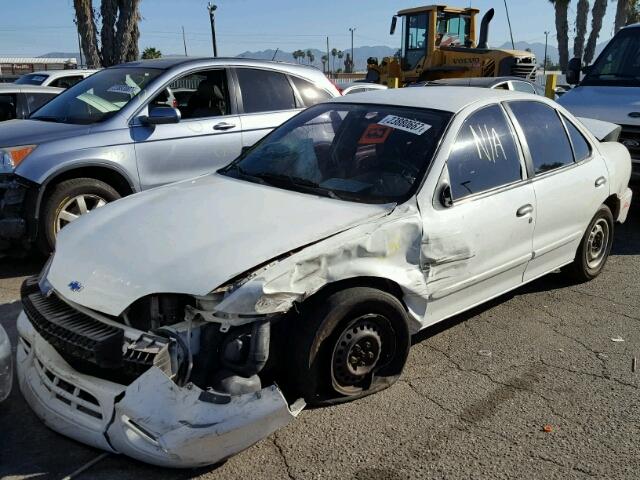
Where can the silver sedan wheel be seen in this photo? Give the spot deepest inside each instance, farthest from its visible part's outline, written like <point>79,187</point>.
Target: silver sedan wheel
<point>597,243</point>
<point>76,206</point>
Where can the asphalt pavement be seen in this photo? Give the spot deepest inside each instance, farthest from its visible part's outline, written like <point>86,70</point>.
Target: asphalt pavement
<point>536,384</point>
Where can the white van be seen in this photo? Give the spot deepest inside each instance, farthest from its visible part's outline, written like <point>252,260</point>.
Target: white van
<point>610,89</point>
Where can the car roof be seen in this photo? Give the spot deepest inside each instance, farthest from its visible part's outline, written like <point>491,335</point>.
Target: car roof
<point>477,81</point>
<point>166,63</point>
<point>64,72</point>
<point>445,98</point>
<point>15,88</point>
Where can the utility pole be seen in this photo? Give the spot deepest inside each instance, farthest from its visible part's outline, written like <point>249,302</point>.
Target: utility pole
<point>328,57</point>
<point>353,58</point>
<point>184,41</point>
<point>544,62</point>
<point>513,45</point>
<point>212,18</point>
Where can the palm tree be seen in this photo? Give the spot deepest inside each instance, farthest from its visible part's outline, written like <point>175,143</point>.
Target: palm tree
<point>562,31</point>
<point>582,14</point>
<point>302,55</point>
<point>310,56</point>
<point>151,52</point>
<point>324,59</point>
<point>334,52</point>
<point>622,10</point>
<point>597,14</point>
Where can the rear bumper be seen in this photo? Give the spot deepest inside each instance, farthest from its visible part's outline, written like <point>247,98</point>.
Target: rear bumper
<point>6,365</point>
<point>153,419</point>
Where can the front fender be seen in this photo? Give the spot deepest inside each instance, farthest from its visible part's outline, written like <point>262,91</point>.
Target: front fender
<point>387,248</point>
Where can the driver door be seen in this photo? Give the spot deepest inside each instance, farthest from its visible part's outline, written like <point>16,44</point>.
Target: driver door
<point>207,137</point>
<point>477,244</point>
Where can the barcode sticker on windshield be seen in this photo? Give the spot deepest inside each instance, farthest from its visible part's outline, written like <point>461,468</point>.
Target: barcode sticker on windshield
<point>406,124</point>
<point>129,90</point>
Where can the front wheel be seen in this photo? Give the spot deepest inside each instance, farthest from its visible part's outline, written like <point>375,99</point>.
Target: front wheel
<point>67,202</point>
<point>594,248</point>
<point>351,344</point>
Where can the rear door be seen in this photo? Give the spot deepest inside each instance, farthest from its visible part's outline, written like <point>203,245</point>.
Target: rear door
<point>569,180</point>
<point>479,246</point>
<point>207,137</point>
<point>266,99</point>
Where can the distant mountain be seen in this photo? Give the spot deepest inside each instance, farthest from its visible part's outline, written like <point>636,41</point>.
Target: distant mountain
<point>61,55</point>
<point>361,54</point>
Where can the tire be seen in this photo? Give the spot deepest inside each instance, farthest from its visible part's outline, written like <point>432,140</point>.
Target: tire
<point>594,248</point>
<point>348,345</point>
<point>64,197</point>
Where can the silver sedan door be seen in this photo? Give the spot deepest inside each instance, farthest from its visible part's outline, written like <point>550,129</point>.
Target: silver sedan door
<point>207,137</point>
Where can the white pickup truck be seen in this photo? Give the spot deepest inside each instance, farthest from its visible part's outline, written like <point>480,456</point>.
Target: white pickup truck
<point>610,89</point>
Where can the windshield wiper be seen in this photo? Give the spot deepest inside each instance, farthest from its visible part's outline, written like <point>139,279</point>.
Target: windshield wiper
<point>46,118</point>
<point>289,179</point>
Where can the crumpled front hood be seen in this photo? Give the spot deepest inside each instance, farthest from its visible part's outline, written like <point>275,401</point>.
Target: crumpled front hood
<point>611,104</point>
<point>28,132</point>
<point>189,237</point>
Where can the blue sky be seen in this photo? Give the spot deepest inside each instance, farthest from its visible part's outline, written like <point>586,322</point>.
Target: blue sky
<point>34,27</point>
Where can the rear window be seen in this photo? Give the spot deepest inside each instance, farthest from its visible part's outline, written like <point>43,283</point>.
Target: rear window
<point>309,93</point>
<point>265,91</point>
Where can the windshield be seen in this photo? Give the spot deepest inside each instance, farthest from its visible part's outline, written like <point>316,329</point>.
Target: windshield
<point>619,63</point>
<point>32,79</point>
<point>365,153</point>
<point>97,97</point>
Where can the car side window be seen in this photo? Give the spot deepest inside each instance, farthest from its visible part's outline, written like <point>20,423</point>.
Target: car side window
<point>546,137</point>
<point>501,86</point>
<point>201,94</point>
<point>522,87</point>
<point>484,155</point>
<point>265,91</point>
<point>36,100</point>
<point>7,107</point>
<point>581,148</point>
<point>309,93</point>
<point>66,82</point>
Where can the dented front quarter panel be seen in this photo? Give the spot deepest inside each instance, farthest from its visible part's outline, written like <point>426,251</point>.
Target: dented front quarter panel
<point>387,248</point>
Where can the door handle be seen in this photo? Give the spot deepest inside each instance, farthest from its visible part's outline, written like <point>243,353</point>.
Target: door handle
<point>223,126</point>
<point>524,210</point>
<point>600,181</point>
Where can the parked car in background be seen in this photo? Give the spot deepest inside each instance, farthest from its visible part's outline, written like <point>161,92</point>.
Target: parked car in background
<point>360,87</point>
<point>137,126</point>
<point>54,78</point>
<point>19,101</point>
<point>516,84</point>
<point>180,325</point>
<point>6,365</point>
<point>610,89</point>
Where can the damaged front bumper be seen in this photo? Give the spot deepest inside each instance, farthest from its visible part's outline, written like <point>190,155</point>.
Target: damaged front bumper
<point>153,419</point>
<point>17,220</point>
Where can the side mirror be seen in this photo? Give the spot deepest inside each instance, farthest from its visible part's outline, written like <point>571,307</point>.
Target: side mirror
<point>573,71</point>
<point>394,21</point>
<point>446,196</point>
<point>161,116</point>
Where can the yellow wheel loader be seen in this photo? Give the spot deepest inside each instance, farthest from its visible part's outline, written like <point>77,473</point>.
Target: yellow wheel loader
<point>439,42</point>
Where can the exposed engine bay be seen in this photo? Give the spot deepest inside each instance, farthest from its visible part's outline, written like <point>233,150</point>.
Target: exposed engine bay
<point>169,331</point>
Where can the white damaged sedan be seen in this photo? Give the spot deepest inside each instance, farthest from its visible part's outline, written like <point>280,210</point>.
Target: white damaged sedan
<point>182,325</point>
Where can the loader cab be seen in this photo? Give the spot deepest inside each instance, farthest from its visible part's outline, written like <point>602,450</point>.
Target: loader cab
<point>425,29</point>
